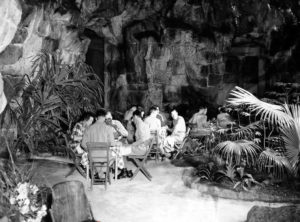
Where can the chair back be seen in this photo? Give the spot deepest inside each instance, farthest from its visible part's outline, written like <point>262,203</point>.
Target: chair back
<point>150,142</point>
<point>187,133</point>
<point>98,151</point>
<point>154,135</point>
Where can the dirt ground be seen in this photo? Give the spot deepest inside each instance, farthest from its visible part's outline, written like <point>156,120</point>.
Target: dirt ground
<point>164,199</point>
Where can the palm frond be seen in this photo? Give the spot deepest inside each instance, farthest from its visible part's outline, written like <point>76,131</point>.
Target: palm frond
<point>275,160</point>
<point>291,138</point>
<point>271,113</point>
<point>233,151</point>
<point>246,132</point>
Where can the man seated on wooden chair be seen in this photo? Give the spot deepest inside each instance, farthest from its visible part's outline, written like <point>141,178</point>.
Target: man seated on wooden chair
<point>157,131</point>
<point>99,132</point>
<point>142,134</point>
<point>178,133</point>
<point>78,131</point>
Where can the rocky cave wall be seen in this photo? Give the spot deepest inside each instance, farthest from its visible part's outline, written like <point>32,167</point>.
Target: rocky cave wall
<point>176,52</point>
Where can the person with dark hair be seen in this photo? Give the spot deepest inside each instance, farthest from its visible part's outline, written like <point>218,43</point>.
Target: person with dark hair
<point>142,134</point>
<point>128,122</point>
<point>99,131</point>
<point>128,114</point>
<point>178,132</point>
<point>157,131</point>
<point>152,121</point>
<point>160,116</point>
<point>78,131</point>
<point>119,130</point>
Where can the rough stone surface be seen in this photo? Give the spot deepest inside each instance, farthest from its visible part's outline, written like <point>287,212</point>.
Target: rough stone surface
<point>11,54</point>
<point>214,80</point>
<point>192,44</point>
<point>31,47</point>
<point>269,214</point>
<point>20,36</point>
<point>10,12</point>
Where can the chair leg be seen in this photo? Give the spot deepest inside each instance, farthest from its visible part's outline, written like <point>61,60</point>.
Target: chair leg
<point>136,171</point>
<point>134,174</point>
<point>92,176</point>
<point>108,174</point>
<point>140,167</point>
<point>105,182</point>
<point>116,168</point>
<point>157,156</point>
<point>146,173</point>
<point>177,152</point>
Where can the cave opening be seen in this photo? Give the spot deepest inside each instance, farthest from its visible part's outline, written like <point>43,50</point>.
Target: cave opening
<point>95,53</point>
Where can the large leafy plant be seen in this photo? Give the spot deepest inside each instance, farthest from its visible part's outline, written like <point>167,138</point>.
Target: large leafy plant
<point>50,99</point>
<point>284,117</point>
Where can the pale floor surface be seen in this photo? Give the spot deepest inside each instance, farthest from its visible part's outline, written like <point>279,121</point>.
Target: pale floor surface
<point>164,199</point>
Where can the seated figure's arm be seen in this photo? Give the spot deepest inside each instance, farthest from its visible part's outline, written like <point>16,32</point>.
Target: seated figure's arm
<point>77,132</point>
<point>85,139</point>
<point>120,128</point>
<point>180,127</point>
<point>142,134</point>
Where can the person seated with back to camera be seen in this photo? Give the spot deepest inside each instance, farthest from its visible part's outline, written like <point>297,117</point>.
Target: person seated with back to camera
<point>142,134</point>
<point>120,132</point>
<point>78,131</point>
<point>98,132</point>
<point>178,133</point>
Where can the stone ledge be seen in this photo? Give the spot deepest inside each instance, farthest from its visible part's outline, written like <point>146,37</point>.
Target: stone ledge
<point>216,191</point>
<point>270,214</point>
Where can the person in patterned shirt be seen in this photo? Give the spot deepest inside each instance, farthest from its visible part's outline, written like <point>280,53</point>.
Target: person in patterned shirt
<point>78,130</point>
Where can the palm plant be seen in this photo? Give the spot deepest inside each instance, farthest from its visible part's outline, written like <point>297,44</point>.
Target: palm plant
<point>234,151</point>
<point>52,97</point>
<point>286,118</point>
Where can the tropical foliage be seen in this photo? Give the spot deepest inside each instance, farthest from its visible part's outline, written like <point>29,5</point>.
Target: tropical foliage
<point>234,151</point>
<point>50,99</point>
<point>265,139</point>
<point>20,198</point>
<point>285,118</point>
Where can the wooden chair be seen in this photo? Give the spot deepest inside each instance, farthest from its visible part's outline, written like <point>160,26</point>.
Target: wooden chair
<point>155,149</point>
<point>70,203</point>
<point>140,161</point>
<point>76,159</point>
<point>178,147</point>
<point>99,157</point>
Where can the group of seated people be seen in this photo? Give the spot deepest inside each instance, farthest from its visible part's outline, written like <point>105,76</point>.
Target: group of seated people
<point>199,120</point>
<point>130,139</point>
<point>139,128</point>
